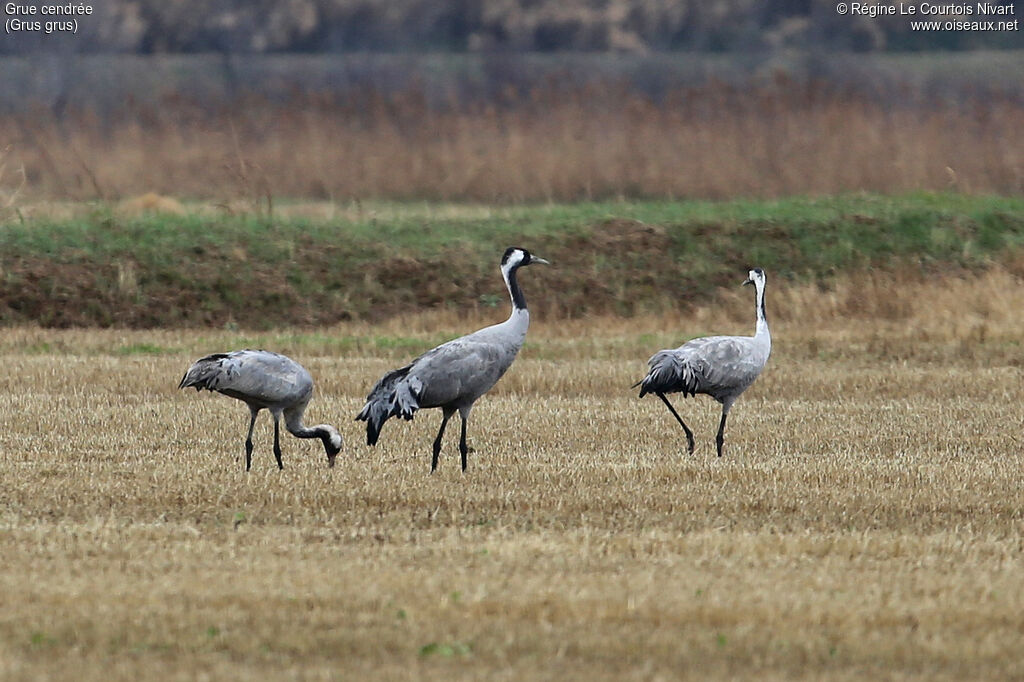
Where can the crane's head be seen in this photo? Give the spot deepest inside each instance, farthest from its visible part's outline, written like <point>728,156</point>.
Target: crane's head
<point>755,276</point>
<point>332,442</point>
<point>515,257</point>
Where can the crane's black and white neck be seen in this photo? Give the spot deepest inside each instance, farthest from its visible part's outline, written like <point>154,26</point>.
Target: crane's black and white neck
<point>327,434</point>
<point>515,258</point>
<point>757,278</point>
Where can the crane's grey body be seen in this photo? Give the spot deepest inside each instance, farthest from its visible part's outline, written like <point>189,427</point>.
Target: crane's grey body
<point>722,367</point>
<point>719,366</point>
<point>264,380</point>
<point>456,374</point>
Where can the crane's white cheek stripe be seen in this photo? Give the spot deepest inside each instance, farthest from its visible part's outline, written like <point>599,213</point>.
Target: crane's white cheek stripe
<point>515,259</point>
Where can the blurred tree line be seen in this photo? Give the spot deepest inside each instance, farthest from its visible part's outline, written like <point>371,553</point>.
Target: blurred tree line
<point>260,26</point>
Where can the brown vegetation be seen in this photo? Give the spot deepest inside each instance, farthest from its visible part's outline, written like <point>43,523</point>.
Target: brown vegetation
<point>864,523</point>
<point>547,144</point>
<point>150,203</point>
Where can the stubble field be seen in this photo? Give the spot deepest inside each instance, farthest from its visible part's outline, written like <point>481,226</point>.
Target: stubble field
<point>865,522</point>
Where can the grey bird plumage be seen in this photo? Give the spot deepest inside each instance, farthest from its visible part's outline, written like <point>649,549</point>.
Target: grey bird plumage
<point>457,373</point>
<point>264,380</point>
<point>719,366</point>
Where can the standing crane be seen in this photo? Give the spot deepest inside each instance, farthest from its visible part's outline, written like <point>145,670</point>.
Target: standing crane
<point>457,373</point>
<point>719,366</point>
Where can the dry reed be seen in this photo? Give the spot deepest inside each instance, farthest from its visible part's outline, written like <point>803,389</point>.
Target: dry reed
<point>603,141</point>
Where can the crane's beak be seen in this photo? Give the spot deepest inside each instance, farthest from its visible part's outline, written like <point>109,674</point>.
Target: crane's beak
<point>747,281</point>
<point>330,460</point>
<point>534,260</point>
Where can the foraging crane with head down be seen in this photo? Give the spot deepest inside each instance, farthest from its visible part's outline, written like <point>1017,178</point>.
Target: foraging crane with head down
<point>719,366</point>
<point>264,380</point>
<point>455,374</point>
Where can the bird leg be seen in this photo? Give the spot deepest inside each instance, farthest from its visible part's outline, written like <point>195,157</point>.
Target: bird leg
<point>248,440</point>
<point>277,441</point>
<point>437,441</point>
<point>689,433</point>
<point>720,438</point>
<point>463,448</point>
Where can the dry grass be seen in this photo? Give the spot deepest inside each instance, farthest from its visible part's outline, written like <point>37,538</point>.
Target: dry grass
<point>711,142</point>
<point>865,522</point>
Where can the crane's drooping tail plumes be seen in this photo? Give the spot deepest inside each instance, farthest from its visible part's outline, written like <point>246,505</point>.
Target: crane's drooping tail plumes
<point>669,373</point>
<point>204,373</point>
<point>396,394</point>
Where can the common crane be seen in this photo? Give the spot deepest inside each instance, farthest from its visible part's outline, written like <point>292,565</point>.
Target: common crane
<point>264,380</point>
<point>719,366</point>
<point>455,374</point>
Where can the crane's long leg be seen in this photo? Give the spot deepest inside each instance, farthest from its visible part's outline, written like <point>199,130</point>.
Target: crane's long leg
<point>720,438</point>
<point>463,447</point>
<point>440,434</point>
<point>689,433</point>
<point>248,439</point>
<point>277,441</point>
